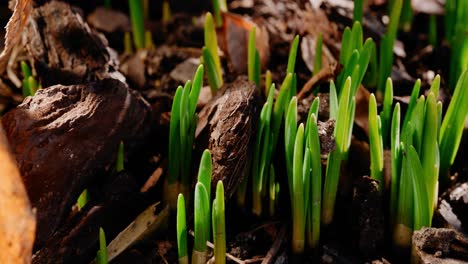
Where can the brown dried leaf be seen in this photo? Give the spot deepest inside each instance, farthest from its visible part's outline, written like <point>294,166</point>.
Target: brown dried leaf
<point>17,221</point>
<point>362,109</point>
<point>14,29</point>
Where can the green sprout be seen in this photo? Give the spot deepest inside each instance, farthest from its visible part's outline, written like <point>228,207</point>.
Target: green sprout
<point>375,142</point>
<point>386,46</point>
<point>30,85</point>
<point>292,55</point>
<point>262,153</point>
<point>211,56</point>
<point>386,113</point>
<point>406,18</point>
<point>457,35</point>
<point>181,136</point>
<point>83,199</point>
<point>354,57</point>
<point>318,54</point>
<point>166,12</point>
<point>182,230</point>
<point>202,227</point>
<point>303,163</point>
<point>342,133</point>
<point>358,10</point>
<point>218,7</point>
<point>137,18</point>
<point>119,164</point>
<point>102,252</point>
<point>451,130</point>
<point>148,40</point>
<point>219,228</point>
<point>253,60</point>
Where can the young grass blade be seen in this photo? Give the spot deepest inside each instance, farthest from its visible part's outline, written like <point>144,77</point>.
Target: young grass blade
<point>102,252</point>
<point>281,104</point>
<point>204,171</point>
<point>195,91</point>
<point>272,190</point>
<point>451,130</point>
<point>333,101</point>
<point>375,139</point>
<point>32,85</point>
<point>421,201</point>
<point>342,133</point>
<point>318,54</point>
<point>412,103</point>
<point>432,30</point>
<point>26,70</point>
<point>219,228</point>
<point>201,226</point>
<point>182,230</point>
<point>406,16</point>
<point>252,62</point>
<point>387,111</point>
<point>346,49</point>
<point>136,15</point>
<point>417,119</point>
<point>292,55</point>
<point>119,165</point>
<point>396,161</point>
<point>211,43</point>
<point>316,182</point>
<point>213,77</point>
<point>298,193</point>
<point>290,129</point>
<point>403,229</point>
<point>174,137</point>
<point>429,151</point>
<point>435,86</point>
<point>83,199</point>
<point>358,10</point>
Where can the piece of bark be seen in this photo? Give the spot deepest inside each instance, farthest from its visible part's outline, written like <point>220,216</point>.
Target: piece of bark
<point>65,135</point>
<point>454,207</point>
<point>368,208</point>
<point>440,245</point>
<point>227,123</point>
<point>17,221</point>
<point>77,241</point>
<point>65,50</point>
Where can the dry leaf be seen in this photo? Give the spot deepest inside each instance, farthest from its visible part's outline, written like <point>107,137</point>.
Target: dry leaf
<point>17,221</point>
<point>14,29</point>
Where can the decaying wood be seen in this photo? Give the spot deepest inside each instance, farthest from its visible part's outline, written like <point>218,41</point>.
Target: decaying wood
<point>65,135</point>
<point>77,240</point>
<point>228,121</point>
<point>17,221</point>
<point>65,50</point>
<point>440,245</point>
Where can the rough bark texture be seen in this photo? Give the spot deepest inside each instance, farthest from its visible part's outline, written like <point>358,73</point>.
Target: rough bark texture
<point>17,223</point>
<point>65,50</point>
<point>229,122</point>
<point>65,135</point>
<point>77,241</point>
<point>440,245</point>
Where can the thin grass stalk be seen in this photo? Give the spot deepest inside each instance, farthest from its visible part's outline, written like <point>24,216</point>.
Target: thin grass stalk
<point>313,229</point>
<point>342,134</point>
<point>201,226</point>
<point>451,130</point>
<point>219,227</point>
<point>119,165</point>
<point>136,16</point>
<point>386,113</point>
<point>292,55</point>
<point>318,54</point>
<point>211,43</point>
<point>102,252</point>
<point>358,10</point>
<point>252,62</point>
<point>290,130</point>
<point>396,161</point>
<point>375,142</point>
<point>182,248</point>
<point>299,217</point>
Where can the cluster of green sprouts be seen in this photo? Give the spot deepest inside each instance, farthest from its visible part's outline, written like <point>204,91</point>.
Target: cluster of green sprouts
<point>181,136</point>
<point>422,150</point>
<point>202,218</point>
